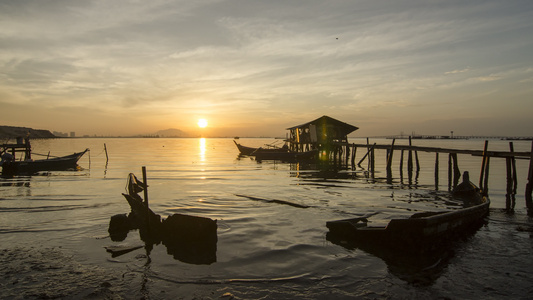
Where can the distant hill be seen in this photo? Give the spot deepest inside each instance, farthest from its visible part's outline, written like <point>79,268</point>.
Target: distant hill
<point>11,132</point>
<point>171,132</point>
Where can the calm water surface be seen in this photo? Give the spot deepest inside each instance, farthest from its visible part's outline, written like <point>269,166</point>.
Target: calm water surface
<point>53,227</point>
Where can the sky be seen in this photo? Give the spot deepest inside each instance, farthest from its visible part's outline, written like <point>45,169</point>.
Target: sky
<point>254,68</point>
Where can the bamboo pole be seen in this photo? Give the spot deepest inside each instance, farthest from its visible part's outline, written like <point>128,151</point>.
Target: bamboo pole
<point>509,172</point>
<point>513,167</point>
<point>401,164</point>
<point>106,156</point>
<point>483,164</point>
<point>417,162</point>
<point>145,187</point>
<point>354,151</point>
<point>486,179</point>
<point>367,153</point>
<point>529,185</point>
<point>449,171</point>
<point>410,158</point>
<point>372,161</point>
<point>389,156</point>
<point>456,171</point>
<point>436,170</point>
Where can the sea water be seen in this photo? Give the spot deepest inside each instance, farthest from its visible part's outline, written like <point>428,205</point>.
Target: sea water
<point>271,220</point>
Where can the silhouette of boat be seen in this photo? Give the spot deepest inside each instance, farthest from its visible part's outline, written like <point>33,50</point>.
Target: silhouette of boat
<point>276,153</point>
<point>252,151</point>
<point>421,233</point>
<point>29,167</point>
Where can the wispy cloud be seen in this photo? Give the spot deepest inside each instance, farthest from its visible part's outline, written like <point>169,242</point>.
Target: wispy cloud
<point>260,59</point>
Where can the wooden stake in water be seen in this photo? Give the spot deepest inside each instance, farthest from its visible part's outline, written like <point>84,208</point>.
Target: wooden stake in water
<point>529,185</point>
<point>483,165</point>
<point>145,187</point>
<point>106,157</point>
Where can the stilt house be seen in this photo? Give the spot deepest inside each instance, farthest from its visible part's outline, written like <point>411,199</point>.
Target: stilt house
<point>323,134</point>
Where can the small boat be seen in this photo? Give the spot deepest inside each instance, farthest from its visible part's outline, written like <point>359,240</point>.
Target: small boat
<point>28,167</point>
<point>421,233</point>
<point>251,151</point>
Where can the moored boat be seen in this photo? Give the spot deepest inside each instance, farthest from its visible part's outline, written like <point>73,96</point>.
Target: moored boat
<point>28,167</point>
<point>253,151</point>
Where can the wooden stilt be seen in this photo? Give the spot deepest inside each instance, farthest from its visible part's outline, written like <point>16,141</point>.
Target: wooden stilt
<point>456,171</point>
<point>389,159</point>
<point>450,172</point>
<point>410,158</point>
<point>367,153</point>
<point>509,171</point>
<point>483,164</point>
<point>372,161</point>
<point>401,164</point>
<point>513,168</point>
<point>529,185</point>
<point>417,162</point>
<point>106,157</point>
<point>437,171</point>
<point>486,178</point>
<point>354,151</point>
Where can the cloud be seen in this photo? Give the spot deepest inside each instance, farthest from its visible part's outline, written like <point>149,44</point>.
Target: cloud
<point>262,59</point>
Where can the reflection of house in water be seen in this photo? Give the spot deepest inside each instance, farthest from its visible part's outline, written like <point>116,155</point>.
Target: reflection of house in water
<point>324,134</point>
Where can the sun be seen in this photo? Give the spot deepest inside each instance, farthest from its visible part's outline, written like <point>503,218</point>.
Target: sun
<point>202,123</point>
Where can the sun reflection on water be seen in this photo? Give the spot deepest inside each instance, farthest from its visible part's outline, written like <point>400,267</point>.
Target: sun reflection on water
<point>202,149</point>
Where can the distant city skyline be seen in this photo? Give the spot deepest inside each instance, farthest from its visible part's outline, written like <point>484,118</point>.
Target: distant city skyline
<point>254,68</point>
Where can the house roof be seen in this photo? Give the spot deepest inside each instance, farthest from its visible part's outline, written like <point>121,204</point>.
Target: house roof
<point>347,128</point>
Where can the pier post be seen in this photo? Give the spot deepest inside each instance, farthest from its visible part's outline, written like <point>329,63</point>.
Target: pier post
<point>529,184</point>
<point>513,167</point>
<point>145,187</point>
<point>410,158</point>
<point>483,164</point>
<point>372,161</point>
<point>486,179</point>
<point>450,172</point>
<point>509,177</point>
<point>354,151</point>
<point>456,172</point>
<point>401,165</point>
<point>389,160</point>
<point>437,171</point>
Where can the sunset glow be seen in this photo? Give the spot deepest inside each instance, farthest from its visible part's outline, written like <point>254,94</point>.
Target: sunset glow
<point>202,123</point>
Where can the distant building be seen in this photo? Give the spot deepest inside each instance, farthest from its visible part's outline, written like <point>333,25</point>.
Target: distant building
<point>60,134</point>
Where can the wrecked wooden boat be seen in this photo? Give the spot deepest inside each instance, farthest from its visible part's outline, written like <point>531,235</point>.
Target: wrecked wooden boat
<point>28,167</point>
<point>251,151</point>
<point>422,232</point>
<point>190,239</point>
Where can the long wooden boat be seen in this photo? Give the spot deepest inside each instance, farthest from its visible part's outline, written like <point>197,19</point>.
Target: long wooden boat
<point>252,151</point>
<point>33,166</point>
<point>422,232</point>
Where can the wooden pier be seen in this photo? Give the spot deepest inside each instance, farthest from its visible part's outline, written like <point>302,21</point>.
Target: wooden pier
<point>344,154</point>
